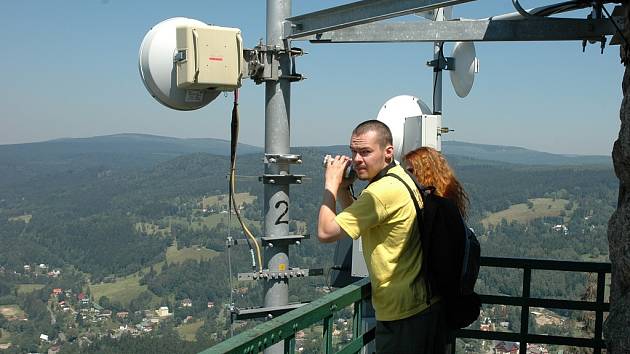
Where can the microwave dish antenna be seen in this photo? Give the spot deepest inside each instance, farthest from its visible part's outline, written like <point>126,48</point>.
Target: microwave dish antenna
<point>466,66</point>
<point>158,67</point>
<point>395,112</point>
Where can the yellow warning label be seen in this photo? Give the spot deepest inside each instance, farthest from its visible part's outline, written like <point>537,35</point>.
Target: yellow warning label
<point>282,267</point>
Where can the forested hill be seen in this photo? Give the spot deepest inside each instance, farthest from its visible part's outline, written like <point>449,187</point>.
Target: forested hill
<point>140,223</point>
<point>75,202</point>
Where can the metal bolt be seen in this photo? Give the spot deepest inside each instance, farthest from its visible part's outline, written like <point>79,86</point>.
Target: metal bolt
<point>272,160</point>
<point>298,181</point>
<point>297,243</point>
<point>272,181</point>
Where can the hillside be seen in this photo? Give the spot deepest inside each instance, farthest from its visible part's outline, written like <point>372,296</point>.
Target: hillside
<point>137,233</point>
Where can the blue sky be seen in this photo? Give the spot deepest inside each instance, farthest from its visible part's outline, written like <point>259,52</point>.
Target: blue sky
<point>70,69</point>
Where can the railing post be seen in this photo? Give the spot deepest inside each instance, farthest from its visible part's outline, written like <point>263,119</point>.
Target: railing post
<point>328,321</point>
<point>357,319</point>
<point>599,315</point>
<point>289,345</point>
<point>527,279</point>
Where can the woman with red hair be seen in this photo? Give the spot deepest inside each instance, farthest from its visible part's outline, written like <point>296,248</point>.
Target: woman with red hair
<point>431,169</point>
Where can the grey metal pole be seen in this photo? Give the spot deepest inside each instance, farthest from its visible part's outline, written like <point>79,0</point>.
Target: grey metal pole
<point>437,74</point>
<point>437,80</point>
<point>277,139</point>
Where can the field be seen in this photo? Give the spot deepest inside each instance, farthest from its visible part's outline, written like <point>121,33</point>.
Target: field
<point>123,289</point>
<point>127,288</point>
<point>9,311</point>
<point>173,255</point>
<point>520,212</point>
<point>28,288</point>
<point>152,229</point>
<point>5,337</point>
<point>221,201</point>
<point>212,220</point>
<point>26,218</point>
<point>187,331</point>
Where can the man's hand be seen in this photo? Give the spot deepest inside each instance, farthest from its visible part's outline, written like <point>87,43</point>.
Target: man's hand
<point>327,228</point>
<point>334,177</point>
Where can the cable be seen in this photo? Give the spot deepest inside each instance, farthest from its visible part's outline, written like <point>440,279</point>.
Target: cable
<point>520,9</point>
<point>232,187</point>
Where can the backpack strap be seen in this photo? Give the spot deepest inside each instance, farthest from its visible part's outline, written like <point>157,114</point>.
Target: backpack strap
<point>425,240</point>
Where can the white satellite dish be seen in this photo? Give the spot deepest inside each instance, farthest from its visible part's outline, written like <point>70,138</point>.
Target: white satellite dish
<point>466,65</point>
<point>394,114</point>
<point>158,69</point>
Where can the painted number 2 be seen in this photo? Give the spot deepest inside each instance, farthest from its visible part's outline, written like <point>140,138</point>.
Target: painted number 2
<point>279,220</point>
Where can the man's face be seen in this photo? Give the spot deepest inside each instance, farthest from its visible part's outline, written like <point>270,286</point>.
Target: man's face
<point>368,158</point>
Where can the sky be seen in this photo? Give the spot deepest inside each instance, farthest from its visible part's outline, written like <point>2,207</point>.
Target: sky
<point>70,69</point>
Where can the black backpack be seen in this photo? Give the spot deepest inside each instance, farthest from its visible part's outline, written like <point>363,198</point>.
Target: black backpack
<point>451,255</point>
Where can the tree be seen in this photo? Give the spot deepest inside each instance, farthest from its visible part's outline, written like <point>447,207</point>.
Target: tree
<point>105,302</point>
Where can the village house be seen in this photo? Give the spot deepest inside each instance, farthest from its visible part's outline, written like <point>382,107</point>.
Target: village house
<point>187,303</point>
<point>163,312</point>
<point>106,313</point>
<point>506,348</point>
<point>486,327</point>
<point>561,228</point>
<point>56,291</point>
<point>122,314</point>
<point>536,349</point>
<point>210,304</point>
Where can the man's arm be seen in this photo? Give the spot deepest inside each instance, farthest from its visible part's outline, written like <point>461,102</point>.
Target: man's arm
<point>327,228</point>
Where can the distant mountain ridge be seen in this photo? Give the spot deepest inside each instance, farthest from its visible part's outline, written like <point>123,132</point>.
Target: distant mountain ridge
<point>159,148</point>
<point>133,143</point>
<point>519,155</point>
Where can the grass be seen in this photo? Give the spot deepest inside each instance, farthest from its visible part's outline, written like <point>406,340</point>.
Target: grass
<point>5,337</point>
<point>187,331</point>
<point>173,255</point>
<point>222,200</point>
<point>26,218</point>
<point>542,207</point>
<point>127,288</point>
<point>123,289</point>
<point>11,310</point>
<point>151,229</point>
<point>28,288</point>
<point>212,220</point>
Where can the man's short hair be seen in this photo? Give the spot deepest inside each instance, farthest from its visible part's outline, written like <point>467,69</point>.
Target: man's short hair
<point>381,129</point>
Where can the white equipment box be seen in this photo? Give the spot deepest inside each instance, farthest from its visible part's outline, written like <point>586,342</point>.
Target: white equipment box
<point>209,57</point>
<point>359,269</point>
<point>423,130</point>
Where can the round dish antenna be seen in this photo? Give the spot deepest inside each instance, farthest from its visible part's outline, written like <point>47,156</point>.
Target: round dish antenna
<point>158,69</point>
<point>466,65</point>
<point>395,112</point>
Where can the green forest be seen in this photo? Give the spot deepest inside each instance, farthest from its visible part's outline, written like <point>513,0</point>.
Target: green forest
<point>79,214</point>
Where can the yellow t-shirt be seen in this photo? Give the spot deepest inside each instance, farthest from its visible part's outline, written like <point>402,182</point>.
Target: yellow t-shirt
<point>384,217</point>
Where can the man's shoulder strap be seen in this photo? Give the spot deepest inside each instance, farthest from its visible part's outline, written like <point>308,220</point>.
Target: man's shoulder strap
<point>411,193</point>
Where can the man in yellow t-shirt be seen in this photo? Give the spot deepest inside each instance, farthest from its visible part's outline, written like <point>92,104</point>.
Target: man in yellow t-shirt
<point>384,217</point>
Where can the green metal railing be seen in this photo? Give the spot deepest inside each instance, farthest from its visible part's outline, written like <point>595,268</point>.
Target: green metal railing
<point>284,328</point>
<point>525,301</point>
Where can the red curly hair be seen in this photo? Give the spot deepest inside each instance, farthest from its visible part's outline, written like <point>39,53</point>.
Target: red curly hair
<point>431,169</point>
